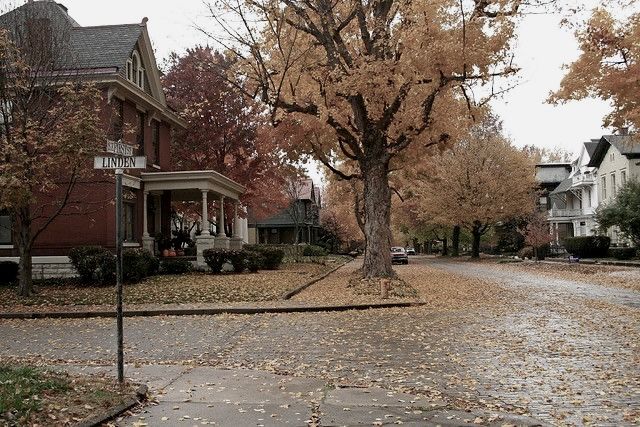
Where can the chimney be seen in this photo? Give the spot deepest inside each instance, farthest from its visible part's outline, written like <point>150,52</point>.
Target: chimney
<point>623,130</point>
<point>144,21</point>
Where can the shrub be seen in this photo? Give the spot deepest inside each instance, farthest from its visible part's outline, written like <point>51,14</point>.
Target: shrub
<point>105,272</point>
<point>8,272</point>
<point>94,264</point>
<point>587,246</point>
<point>138,264</point>
<point>272,256</point>
<point>238,259</point>
<point>526,252</point>
<point>215,259</point>
<point>313,250</point>
<point>622,253</point>
<point>254,261</point>
<point>175,266</point>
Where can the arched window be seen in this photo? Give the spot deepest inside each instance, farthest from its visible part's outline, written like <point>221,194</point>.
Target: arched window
<point>135,72</point>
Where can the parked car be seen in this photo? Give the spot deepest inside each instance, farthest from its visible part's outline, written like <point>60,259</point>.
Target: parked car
<point>411,251</point>
<point>399,255</point>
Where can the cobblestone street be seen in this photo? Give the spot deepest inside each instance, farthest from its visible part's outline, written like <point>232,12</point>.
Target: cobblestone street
<point>560,351</point>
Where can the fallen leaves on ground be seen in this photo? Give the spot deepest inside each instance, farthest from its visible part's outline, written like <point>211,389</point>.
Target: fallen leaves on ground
<point>267,285</point>
<point>418,282</point>
<point>37,396</point>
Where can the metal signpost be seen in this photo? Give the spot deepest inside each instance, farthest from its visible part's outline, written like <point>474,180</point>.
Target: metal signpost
<point>121,158</point>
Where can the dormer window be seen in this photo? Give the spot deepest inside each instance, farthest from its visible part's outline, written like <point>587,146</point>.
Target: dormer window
<point>135,72</point>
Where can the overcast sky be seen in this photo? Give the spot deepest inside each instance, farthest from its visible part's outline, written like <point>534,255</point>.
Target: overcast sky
<point>543,48</point>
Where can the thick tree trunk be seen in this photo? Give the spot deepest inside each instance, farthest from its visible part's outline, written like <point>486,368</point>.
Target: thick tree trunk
<point>377,210</point>
<point>455,241</point>
<point>25,280</point>
<point>445,247</point>
<point>475,248</point>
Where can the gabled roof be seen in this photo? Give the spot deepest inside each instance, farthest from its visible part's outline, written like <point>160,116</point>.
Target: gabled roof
<point>99,52</point>
<point>590,147</point>
<point>626,144</point>
<point>107,46</point>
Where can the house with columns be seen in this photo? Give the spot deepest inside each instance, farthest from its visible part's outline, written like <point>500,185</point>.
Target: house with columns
<point>119,60</point>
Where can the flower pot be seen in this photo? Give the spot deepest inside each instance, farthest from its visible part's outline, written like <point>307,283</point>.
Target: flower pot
<point>165,252</point>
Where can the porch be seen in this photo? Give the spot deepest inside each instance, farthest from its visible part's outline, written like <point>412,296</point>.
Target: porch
<point>206,187</point>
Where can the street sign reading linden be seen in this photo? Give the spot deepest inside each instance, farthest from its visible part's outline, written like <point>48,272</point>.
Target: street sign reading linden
<point>119,148</point>
<point>117,162</point>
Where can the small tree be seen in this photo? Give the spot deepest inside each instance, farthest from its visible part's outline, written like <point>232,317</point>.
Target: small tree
<point>536,233</point>
<point>623,212</point>
<point>50,127</point>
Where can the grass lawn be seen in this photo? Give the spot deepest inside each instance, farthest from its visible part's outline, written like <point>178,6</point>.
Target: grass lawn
<point>168,289</point>
<point>32,396</point>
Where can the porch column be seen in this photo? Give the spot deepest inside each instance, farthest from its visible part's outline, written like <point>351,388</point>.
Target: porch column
<point>205,240</point>
<point>205,214</point>
<point>236,240</point>
<point>145,225</point>
<point>222,241</point>
<point>236,222</point>
<point>220,219</point>
<point>148,242</point>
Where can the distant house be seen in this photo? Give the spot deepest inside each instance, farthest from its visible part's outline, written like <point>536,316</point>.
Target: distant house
<point>574,201</point>
<point>303,210</point>
<point>617,160</point>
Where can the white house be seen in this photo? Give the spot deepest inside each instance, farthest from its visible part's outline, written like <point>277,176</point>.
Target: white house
<point>574,201</point>
<point>617,160</point>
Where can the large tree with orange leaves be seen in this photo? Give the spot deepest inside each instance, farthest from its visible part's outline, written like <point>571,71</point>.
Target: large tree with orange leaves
<point>608,67</point>
<point>380,77</point>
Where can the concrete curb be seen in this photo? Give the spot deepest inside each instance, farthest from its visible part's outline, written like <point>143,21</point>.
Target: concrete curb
<point>114,411</point>
<point>592,261</point>
<point>296,291</point>
<point>205,311</point>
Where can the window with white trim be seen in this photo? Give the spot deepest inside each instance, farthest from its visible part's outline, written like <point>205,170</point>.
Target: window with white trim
<point>135,71</point>
<point>623,177</point>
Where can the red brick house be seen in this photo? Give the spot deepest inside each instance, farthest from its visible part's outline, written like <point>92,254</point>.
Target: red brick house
<point>120,60</point>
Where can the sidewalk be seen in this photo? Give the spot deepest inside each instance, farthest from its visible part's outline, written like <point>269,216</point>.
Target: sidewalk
<point>188,396</point>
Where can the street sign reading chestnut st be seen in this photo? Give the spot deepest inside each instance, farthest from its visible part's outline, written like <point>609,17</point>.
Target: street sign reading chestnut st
<point>119,148</point>
<point>118,162</point>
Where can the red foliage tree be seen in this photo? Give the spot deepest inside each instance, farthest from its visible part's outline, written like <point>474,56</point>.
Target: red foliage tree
<point>227,132</point>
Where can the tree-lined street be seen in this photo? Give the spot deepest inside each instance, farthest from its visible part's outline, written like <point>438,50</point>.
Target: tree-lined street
<point>560,351</point>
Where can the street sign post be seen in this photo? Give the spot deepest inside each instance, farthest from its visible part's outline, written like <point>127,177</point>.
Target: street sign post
<point>121,158</point>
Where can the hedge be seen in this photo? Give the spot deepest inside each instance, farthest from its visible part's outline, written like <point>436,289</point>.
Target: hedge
<point>95,264</point>
<point>175,266</point>
<point>272,256</point>
<point>8,272</point>
<point>138,264</point>
<point>313,250</point>
<point>588,246</point>
<point>622,253</point>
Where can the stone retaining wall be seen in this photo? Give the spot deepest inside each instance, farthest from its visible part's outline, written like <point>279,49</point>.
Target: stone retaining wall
<point>49,267</point>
